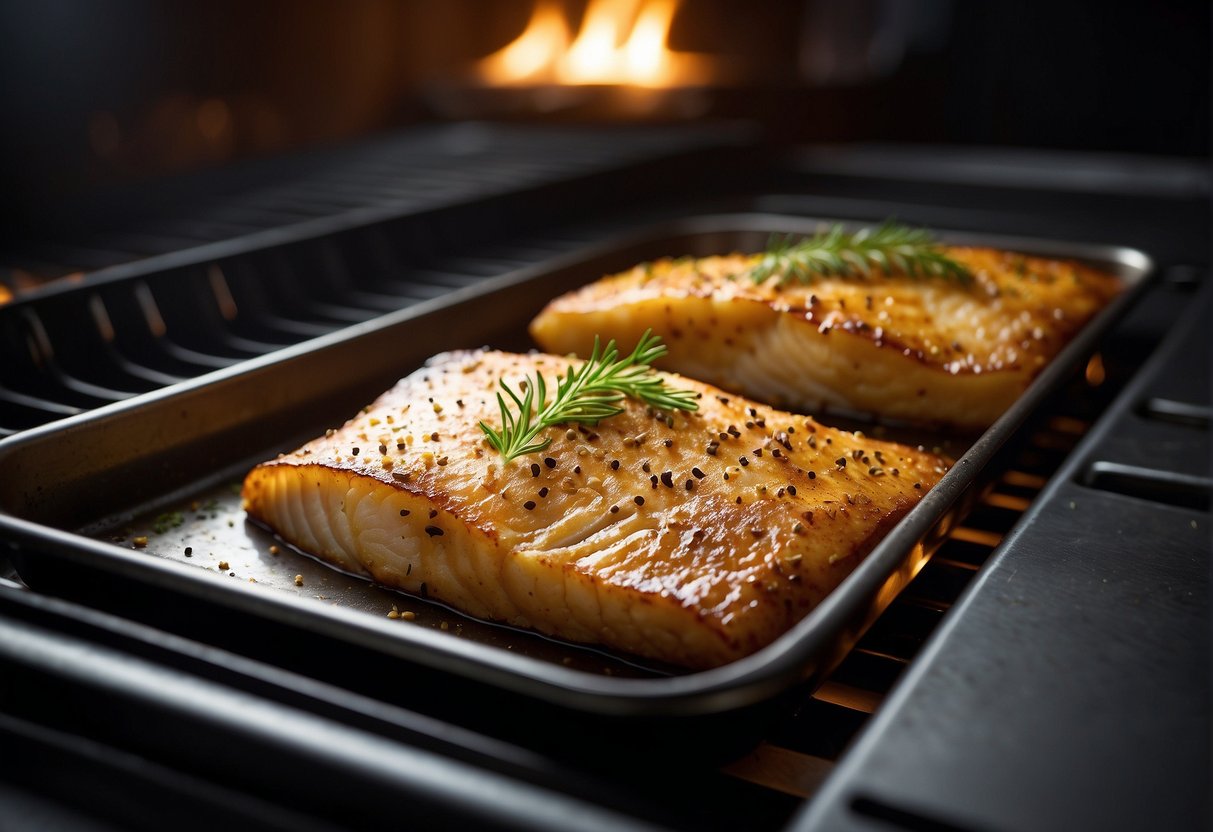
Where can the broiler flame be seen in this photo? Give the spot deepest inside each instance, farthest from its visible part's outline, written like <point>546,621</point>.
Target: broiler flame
<point>619,42</point>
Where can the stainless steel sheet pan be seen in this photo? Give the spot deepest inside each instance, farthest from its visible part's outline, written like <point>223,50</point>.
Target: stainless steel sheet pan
<point>141,496</point>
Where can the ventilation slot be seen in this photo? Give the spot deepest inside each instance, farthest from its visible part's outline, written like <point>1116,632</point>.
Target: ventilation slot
<point>1178,413</point>
<point>1168,487</point>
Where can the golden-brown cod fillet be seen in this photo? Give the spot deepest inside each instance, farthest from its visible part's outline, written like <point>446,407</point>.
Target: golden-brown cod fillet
<point>923,350</point>
<point>693,538</point>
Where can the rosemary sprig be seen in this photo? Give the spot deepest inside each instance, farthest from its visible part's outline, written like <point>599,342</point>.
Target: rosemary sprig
<point>586,394</point>
<point>888,247</point>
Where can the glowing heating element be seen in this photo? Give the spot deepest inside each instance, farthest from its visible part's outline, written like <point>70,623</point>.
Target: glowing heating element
<point>619,42</point>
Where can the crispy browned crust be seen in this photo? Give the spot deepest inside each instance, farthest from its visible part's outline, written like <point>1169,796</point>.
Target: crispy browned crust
<point>930,351</point>
<point>693,538</point>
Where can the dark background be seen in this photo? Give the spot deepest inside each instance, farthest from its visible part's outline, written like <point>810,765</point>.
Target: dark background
<point>103,94</point>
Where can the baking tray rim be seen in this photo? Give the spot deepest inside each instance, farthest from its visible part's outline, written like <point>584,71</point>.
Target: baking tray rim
<point>743,682</point>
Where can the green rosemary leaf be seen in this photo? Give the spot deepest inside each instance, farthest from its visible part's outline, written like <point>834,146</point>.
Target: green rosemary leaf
<point>586,394</point>
<point>833,252</point>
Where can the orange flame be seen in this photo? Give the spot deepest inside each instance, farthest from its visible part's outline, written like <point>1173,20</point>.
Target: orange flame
<point>536,49</point>
<point>620,42</point>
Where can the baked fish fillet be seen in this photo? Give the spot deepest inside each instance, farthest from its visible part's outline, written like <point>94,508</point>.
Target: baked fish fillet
<point>694,538</point>
<point>928,351</point>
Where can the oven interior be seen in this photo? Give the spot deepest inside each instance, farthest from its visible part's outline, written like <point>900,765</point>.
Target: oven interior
<point>1047,668</point>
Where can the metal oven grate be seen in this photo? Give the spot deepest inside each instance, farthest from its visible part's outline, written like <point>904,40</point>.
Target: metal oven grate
<point>71,353</point>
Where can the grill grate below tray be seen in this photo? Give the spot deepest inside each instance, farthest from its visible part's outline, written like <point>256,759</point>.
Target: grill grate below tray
<point>71,353</point>
<point>802,751</point>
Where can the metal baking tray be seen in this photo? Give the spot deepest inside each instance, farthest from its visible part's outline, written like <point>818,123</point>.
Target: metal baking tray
<point>134,508</point>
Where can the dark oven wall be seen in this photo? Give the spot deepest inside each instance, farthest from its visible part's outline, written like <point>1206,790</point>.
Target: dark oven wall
<point>103,99</point>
